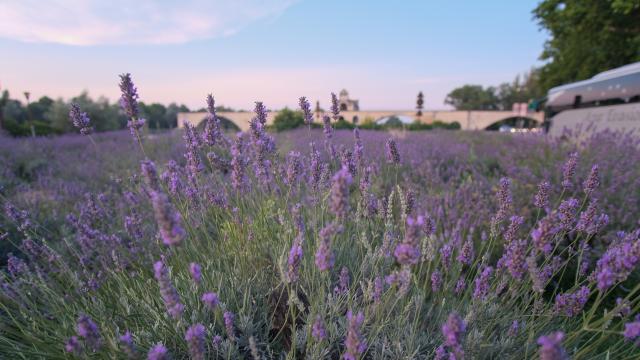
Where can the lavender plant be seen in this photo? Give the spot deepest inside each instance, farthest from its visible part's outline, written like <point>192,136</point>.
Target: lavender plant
<point>424,246</point>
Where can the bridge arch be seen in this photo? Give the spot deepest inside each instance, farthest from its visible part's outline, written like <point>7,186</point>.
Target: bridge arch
<point>514,122</point>
<point>225,123</point>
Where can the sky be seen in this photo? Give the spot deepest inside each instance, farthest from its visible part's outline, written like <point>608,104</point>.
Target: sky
<point>383,52</point>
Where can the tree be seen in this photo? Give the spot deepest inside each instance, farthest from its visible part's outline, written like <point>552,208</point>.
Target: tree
<point>288,119</point>
<point>4,99</point>
<point>419,104</point>
<point>473,97</point>
<point>587,37</point>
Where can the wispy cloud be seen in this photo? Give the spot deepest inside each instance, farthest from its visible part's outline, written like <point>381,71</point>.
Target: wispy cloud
<point>93,22</point>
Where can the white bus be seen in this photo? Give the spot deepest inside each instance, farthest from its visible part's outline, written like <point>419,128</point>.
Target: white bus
<point>609,100</point>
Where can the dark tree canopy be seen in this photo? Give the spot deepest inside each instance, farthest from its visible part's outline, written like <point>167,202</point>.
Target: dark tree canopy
<point>587,37</point>
<point>472,97</point>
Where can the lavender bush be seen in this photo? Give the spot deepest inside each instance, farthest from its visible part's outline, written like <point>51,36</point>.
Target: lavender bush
<point>319,244</point>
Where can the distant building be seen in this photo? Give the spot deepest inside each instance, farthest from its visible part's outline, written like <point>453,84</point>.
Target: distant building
<point>347,104</point>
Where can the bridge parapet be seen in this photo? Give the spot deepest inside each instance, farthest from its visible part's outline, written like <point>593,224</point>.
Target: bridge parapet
<point>468,120</point>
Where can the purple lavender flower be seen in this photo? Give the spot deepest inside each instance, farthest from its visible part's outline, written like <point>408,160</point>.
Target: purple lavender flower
<point>445,255</point>
<point>194,165</point>
<point>566,213</point>
<point>129,103</point>
<point>80,119</point>
<point>335,107</point>
<point>305,106</point>
<point>401,279</point>
<point>632,331</point>
<point>88,330</point>
<point>551,348</point>
<point>505,200</point>
<point>318,330</point>
<point>569,170</point>
<point>228,324</point>
<point>211,300</point>
<point>295,258</point>
<point>514,259</point>
<point>482,283</point>
<point>378,288</point>
<point>171,177</point>
<point>20,217</point>
<point>216,341</point>
<point>617,262</point>
<point>541,200</point>
<point>150,174</point>
<point>339,201</point>
<point>512,230</point>
<point>327,128</point>
<point>393,156</point>
<point>571,304</point>
<point>358,148</point>
<point>592,182</point>
<point>212,133</point>
<point>543,235</point>
<point>466,253</point>
<point>354,342</point>
<point>461,285</point>
<point>238,164</point>
<point>73,346</point>
<point>196,272</point>
<point>169,221</point>
<point>324,254</point>
<point>158,352</point>
<point>167,291</point>
<point>127,345</point>
<point>453,331</point>
<point>436,280</point>
<point>407,254</point>
<point>343,282</point>
<point>16,266</point>
<point>294,167</point>
<point>195,337</point>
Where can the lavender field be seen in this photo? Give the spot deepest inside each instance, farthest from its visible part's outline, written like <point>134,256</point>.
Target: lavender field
<point>318,244</point>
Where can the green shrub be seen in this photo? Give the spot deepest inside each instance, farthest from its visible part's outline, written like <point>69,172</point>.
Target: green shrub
<point>287,119</point>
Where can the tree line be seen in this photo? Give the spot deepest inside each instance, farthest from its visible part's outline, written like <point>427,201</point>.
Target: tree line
<point>44,116</point>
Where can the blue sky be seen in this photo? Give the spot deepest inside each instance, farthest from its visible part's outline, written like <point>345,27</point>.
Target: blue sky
<point>383,52</point>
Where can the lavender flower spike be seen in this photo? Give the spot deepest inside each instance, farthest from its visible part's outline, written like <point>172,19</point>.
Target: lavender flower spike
<point>127,346</point>
<point>393,156</point>
<point>196,272</point>
<point>88,330</point>
<point>318,330</point>
<point>211,300</point>
<point>158,352</point>
<point>169,220</point>
<point>550,348</point>
<point>80,119</point>
<point>453,330</point>
<point>306,110</point>
<point>592,182</point>
<point>167,291</point>
<point>195,337</point>
<point>354,343</point>
<point>228,324</point>
<point>541,200</point>
<point>335,107</point>
<point>129,103</point>
<point>569,170</point>
<point>339,202</point>
<point>324,254</point>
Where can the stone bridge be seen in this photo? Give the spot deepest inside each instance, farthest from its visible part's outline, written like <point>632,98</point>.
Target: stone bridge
<point>468,120</point>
